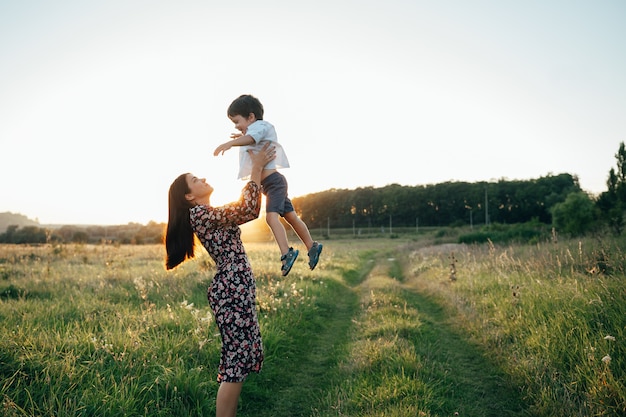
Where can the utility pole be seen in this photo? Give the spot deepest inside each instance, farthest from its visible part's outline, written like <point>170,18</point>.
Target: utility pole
<point>486,207</point>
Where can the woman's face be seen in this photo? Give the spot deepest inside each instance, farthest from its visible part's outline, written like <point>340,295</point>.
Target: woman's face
<point>242,123</point>
<point>198,188</point>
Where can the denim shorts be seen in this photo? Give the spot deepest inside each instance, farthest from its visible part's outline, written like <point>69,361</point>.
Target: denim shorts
<point>275,189</point>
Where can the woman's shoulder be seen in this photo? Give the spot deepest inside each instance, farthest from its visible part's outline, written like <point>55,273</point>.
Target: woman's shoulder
<point>199,209</point>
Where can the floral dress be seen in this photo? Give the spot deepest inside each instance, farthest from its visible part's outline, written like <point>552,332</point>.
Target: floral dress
<point>232,293</point>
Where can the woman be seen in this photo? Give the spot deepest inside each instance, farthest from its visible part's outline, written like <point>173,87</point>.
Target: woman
<point>232,292</point>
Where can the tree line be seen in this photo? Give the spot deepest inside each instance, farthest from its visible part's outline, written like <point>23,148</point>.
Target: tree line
<point>131,233</point>
<point>553,200</point>
<point>444,204</point>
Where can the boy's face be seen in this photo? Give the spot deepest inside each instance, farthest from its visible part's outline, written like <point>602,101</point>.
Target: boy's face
<point>242,123</point>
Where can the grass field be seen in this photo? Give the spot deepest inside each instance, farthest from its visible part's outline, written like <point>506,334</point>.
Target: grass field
<point>383,327</point>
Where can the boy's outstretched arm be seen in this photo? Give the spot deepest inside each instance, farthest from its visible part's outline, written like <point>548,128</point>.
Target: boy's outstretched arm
<point>239,141</point>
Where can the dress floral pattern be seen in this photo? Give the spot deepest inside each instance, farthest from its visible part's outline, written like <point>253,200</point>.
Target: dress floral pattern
<point>232,294</point>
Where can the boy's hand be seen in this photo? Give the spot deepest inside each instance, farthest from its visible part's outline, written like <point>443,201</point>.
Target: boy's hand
<point>222,148</point>
<point>236,135</point>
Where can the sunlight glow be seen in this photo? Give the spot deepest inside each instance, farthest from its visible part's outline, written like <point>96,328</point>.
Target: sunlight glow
<point>104,104</point>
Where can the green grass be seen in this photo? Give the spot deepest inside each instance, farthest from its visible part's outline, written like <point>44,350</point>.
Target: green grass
<point>405,359</point>
<point>378,329</point>
<point>544,314</point>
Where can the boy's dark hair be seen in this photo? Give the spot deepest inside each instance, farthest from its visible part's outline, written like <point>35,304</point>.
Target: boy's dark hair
<point>244,105</point>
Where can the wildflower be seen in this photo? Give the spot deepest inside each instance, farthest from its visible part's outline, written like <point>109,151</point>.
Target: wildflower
<point>609,337</point>
<point>606,359</point>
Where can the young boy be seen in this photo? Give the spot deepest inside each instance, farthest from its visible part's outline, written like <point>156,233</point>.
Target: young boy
<point>246,112</point>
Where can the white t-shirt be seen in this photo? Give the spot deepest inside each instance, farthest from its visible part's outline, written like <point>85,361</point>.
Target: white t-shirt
<point>261,131</point>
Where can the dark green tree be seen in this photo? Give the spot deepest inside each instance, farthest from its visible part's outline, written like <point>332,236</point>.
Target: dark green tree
<point>612,202</point>
<point>576,215</point>
<point>7,236</point>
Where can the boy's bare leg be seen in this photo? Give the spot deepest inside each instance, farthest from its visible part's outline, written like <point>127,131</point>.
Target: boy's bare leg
<point>300,228</point>
<point>278,230</point>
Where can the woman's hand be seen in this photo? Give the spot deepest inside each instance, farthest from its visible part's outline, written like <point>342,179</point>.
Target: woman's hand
<point>260,159</point>
<point>265,155</point>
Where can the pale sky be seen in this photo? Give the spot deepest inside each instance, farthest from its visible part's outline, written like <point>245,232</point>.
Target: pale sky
<point>104,103</point>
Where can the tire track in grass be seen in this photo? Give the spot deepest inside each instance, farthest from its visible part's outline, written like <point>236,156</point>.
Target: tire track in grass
<point>294,379</point>
<point>405,359</point>
<point>471,384</point>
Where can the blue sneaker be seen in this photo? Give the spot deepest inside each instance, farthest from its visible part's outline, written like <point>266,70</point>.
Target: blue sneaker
<point>288,259</point>
<point>314,254</point>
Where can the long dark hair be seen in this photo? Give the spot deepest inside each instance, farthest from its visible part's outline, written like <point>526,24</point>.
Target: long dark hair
<point>179,237</point>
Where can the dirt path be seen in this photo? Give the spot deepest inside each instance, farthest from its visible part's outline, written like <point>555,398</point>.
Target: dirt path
<point>476,386</point>
<point>456,373</point>
<point>299,380</point>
